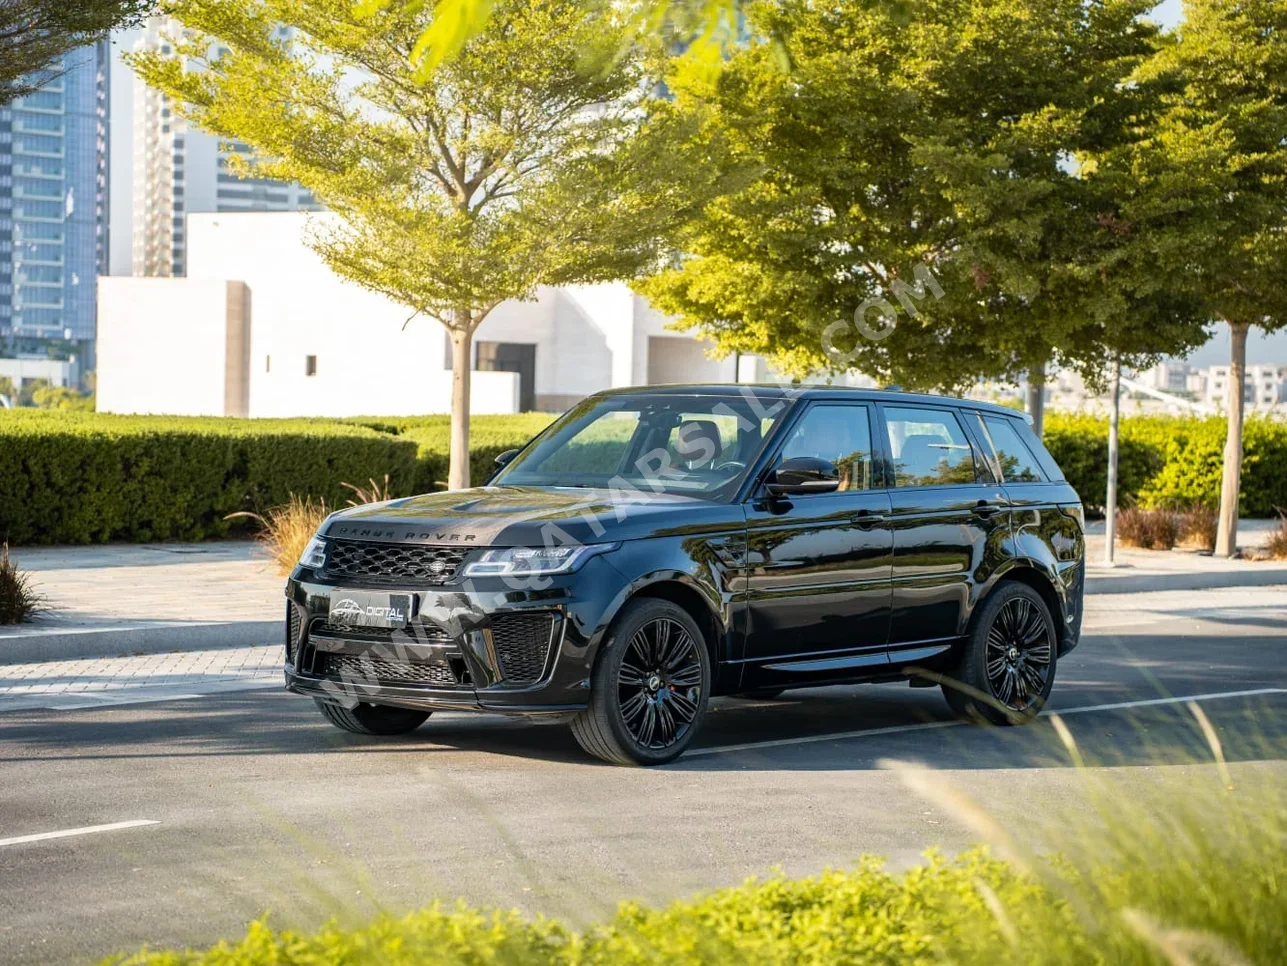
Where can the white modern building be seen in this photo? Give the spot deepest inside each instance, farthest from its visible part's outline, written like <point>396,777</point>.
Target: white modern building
<point>262,327</point>
<point>1264,387</point>
<point>179,169</point>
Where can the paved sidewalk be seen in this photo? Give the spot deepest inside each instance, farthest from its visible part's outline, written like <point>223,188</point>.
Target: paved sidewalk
<point>147,598</point>
<point>68,685</point>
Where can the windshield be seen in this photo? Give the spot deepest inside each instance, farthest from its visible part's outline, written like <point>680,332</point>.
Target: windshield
<point>675,443</point>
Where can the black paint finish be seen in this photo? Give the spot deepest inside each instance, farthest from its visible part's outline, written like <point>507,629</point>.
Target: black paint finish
<point>789,590</point>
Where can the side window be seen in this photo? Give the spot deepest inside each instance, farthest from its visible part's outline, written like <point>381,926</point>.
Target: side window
<point>840,434</point>
<point>929,447</point>
<point>1015,461</point>
<point>1036,447</point>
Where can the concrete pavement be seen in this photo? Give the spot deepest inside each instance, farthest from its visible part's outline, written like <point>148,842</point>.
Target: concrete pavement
<point>260,805</point>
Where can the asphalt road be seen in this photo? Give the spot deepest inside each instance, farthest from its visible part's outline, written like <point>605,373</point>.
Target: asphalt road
<point>259,805</point>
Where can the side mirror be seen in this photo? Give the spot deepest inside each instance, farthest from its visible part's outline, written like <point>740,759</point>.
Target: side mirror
<point>505,457</point>
<point>803,474</point>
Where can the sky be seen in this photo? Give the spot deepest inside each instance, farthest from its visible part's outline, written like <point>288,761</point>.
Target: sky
<point>1260,348</point>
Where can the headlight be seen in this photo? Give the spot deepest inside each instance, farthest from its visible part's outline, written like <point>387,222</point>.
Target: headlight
<point>526,561</point>
<point>314,555</point>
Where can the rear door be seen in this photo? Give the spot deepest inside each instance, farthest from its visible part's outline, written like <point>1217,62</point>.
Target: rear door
<point>819,565</point>
<point>948,520</point>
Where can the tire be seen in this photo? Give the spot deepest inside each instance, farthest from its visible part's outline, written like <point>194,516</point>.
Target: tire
<point>372,719</point>
<point>645,706</point>
<point>1007,667</point>
<point>760,694</point>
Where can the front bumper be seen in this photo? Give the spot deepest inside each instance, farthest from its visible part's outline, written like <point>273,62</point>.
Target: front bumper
<point>475,646</point>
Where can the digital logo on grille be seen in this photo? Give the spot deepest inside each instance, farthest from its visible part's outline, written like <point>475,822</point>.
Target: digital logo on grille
<point>346,610</point>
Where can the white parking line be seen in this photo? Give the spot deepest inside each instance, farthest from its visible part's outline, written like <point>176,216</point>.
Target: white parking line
<point>87,830</point>
<point>932,725</point>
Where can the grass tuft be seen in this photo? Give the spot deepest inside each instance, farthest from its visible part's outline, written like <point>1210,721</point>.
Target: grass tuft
<point>19,601</point>
<point>1276,545</point>
<point>1198,525</point>
<point>1148,529</point>
<point>287,529</point>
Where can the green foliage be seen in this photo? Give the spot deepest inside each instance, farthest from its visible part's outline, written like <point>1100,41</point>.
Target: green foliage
<point>1170,462</point>
<point>540,154</point>
<point>69,477</point>
<point>972,911</point>
<point>911,136</point>
<point>35,34</point>
<point>88,478</point>
<point>61,397</point>
<point>19,601</point>
<point>489,436</point>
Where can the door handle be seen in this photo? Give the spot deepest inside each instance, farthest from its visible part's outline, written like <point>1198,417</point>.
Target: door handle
<point>864,517</point>
<point>985,509</point>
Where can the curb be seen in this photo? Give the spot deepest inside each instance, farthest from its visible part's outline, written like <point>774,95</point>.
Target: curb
<point>32,646</point>
<point>1122,581</point>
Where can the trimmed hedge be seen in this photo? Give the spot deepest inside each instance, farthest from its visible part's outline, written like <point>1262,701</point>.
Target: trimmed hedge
<point>1170,462</point>
<point>489,436</point>
<point>87,478</point>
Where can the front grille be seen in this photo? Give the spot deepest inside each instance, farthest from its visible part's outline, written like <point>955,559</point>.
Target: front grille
<point>392,561</point>
<point>292,630</point>
<point>522,644</point>
<point>417,632</point>
<point>353,668</point>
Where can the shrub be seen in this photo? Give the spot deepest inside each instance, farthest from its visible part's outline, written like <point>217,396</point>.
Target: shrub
<point>1170,462</point>
<point>70,477</point>
<point>19,601</point>
<point>489,436</point>
<point>1198,525</point>
<point>1276,545</point>
<point>1150,529</point>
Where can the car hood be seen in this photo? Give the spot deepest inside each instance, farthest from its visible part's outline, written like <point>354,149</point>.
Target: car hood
<point>529,516</point>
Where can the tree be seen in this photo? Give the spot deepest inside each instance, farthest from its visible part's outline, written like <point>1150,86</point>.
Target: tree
<point>538,155</point>
<point>35,34</point>
<point>1215,174</point>
<point>899,148</point>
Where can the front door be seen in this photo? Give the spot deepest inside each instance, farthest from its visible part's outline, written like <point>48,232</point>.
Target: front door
<point>818,566</point>
<point>949,521</point>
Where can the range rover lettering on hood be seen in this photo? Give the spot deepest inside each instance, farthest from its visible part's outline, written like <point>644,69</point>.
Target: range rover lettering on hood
<point>359,532</point>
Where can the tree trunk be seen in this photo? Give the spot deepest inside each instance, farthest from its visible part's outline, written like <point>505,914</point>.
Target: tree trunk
<point>1110,499</point>
<point>462,341</point>
<point>1227,532</point>
<point>1037,398</point>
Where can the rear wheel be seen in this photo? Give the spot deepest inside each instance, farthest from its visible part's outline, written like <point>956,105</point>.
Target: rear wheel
<point>1008,666</point>
<point>372,719</point>
<point>649,687</point>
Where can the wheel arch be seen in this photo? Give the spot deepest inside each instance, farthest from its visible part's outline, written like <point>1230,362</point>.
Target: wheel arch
<point>684,592</point>
<point>1028,573</point>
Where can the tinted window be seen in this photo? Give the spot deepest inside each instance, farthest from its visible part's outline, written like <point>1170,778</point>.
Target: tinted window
<point>1014,460</point>
<point>840,435</point>
<point>1036,447</point>
<point>929,447</point>
<point>665,442</point>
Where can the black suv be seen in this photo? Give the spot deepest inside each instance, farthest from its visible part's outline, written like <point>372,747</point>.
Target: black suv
<point>655,547</point>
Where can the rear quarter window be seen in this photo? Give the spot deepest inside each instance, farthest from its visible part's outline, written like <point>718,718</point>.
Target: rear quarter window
<point>1047,462</point>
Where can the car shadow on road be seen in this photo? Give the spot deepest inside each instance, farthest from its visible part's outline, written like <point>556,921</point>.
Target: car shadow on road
<point>832,729</point>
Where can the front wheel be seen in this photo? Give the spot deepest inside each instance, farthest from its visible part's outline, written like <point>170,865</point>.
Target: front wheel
<point>1008,666</point>
<point>372,719</point>
<point>649,687</point>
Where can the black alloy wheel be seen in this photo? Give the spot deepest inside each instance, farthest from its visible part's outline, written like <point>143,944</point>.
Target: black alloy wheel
<point>649,689</point>
<point>1008,664</point>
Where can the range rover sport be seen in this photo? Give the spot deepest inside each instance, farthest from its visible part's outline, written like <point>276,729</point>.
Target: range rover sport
<point>654,548</point>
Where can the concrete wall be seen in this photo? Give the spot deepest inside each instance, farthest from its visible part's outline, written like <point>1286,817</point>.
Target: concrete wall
<point>367,362</point>
<point>163,346</point>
